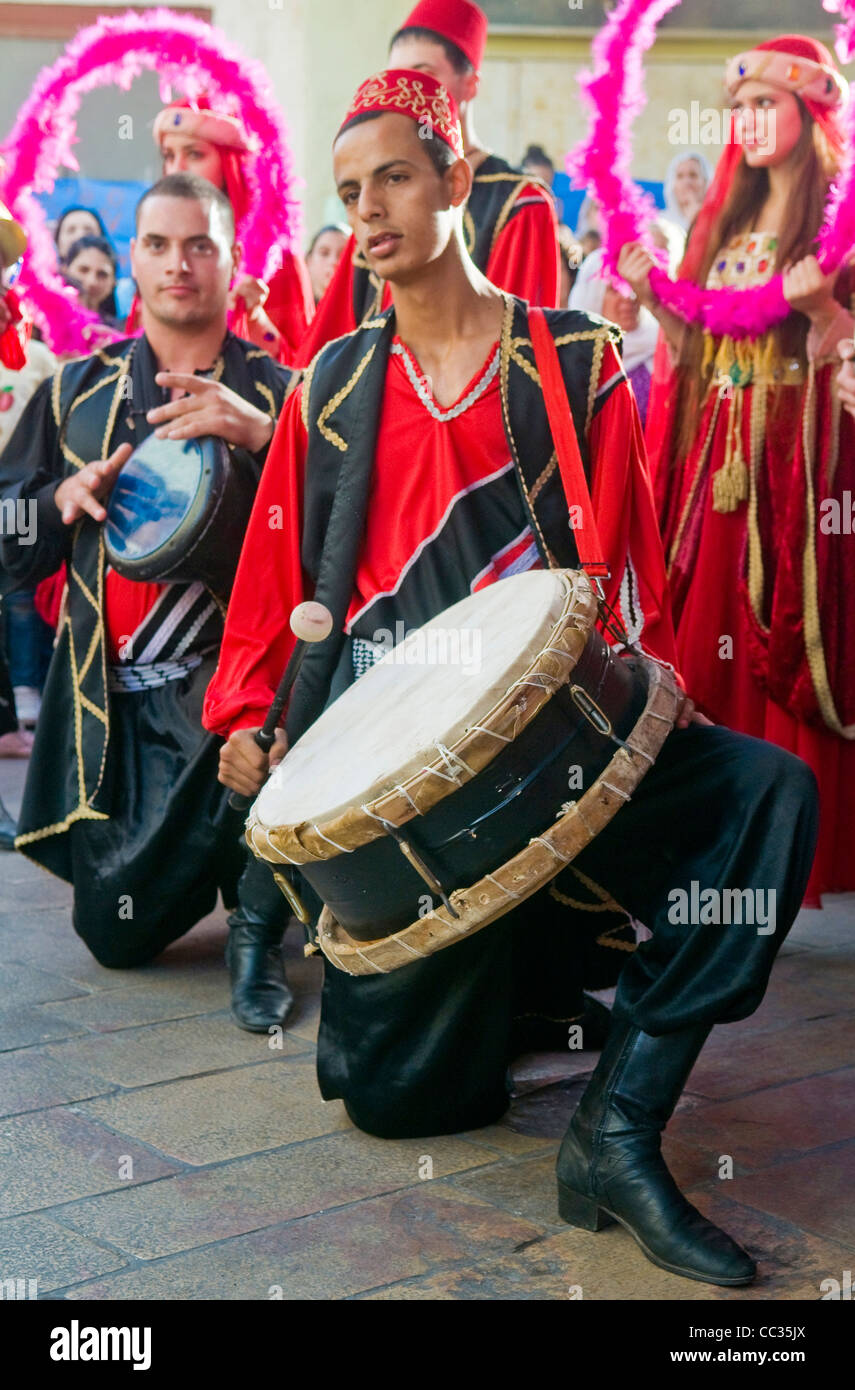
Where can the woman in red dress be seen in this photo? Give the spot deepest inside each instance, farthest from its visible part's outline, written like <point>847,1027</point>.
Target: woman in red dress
<point>752,456</point>
<point>193,138</point>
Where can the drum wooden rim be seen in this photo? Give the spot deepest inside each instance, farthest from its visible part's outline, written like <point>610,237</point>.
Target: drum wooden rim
<point>529,870</point>
<point>521,703</point>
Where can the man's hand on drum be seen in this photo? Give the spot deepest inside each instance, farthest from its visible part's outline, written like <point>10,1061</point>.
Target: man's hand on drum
<point>80,494</point>
<point>687,714</point>
<point>209,407</point>
<point>243,765</point>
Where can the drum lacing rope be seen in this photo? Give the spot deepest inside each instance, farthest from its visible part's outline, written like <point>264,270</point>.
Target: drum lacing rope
<point>541,680</point>
<point>481,729</point>
<point>539,840</point>
<point>640,751</point>
<point>501,887</point>
<point>342,849</point>
<point>618,791</point>
<point>274,849</point>
<point>452,762</point>
<point>406,795</point>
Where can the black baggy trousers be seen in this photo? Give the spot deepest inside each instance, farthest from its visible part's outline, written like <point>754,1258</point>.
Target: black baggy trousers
<point>424,1050</point>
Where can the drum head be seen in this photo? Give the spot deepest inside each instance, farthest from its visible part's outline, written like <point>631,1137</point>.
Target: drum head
<point>418,701</point>
<point>159,492</point>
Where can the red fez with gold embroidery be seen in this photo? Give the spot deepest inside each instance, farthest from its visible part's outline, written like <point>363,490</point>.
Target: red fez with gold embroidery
<point>459,21</point>
<point>401,92</point>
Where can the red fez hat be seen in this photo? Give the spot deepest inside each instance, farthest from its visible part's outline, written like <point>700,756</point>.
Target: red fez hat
<point>400,92</point>
<point>459,21</point>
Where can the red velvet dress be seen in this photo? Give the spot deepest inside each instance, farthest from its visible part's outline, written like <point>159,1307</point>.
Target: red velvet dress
<point>763,589</point>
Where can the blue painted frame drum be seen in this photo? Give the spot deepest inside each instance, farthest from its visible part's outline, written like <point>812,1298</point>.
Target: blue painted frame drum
<point>178,514</point>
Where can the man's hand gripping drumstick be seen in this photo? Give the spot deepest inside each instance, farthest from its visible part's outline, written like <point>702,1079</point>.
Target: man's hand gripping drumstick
<point>250,754</point>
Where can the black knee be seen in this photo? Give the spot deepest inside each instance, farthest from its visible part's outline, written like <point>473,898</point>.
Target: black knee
<point>116,951</point>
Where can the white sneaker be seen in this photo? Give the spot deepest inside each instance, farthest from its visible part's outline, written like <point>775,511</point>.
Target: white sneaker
<point>28,703</point>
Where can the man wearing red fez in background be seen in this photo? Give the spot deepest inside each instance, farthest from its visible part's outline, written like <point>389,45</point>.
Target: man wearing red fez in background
<point>510,224</point>
<point>414,465</point>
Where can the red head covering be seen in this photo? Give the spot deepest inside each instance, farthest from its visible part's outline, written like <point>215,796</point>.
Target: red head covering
<point>401,92</point>
<point>827,117</point>
<point>221,130</point>
<point>459,21</point>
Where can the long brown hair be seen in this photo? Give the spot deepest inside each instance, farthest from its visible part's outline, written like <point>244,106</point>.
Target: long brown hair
<point>815,165</point>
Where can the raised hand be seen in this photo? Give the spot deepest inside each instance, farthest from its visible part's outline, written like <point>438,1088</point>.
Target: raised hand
<point>209,408</point>
<point>634,266</point>
<point>80,494</point>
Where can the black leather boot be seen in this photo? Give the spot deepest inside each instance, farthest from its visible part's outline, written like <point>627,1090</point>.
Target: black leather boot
<point>261,998</point>
<point>610,1167</point>
<point>8,829</point>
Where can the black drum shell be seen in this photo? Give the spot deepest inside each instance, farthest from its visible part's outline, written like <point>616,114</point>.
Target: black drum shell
<point>374,891</point>
<point>205,545</point>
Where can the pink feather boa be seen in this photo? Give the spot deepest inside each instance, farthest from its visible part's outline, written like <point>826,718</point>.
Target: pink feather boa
<point>187,54</point>
<point>614,92</point>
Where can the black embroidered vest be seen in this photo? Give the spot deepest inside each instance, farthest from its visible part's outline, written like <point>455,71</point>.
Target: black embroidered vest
<point>342,398</point>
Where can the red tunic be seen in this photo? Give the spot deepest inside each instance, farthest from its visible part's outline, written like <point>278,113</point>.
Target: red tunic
<point>524,261</point>
<point>445,518</point>
<point>126,603</point>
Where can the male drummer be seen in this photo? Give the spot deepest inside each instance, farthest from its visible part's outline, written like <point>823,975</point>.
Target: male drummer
<point>419,454</point>
<point>510,223</point>
<point>122,798</point>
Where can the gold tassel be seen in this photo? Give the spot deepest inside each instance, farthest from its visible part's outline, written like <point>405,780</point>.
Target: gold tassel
<point>730,483</point>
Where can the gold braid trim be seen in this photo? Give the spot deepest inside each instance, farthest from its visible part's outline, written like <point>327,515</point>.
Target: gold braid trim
<point>545,476</point>
<point>605,903</point>
<point>756,581</point>
<point>308,375</point>
<point>505,357</point>
<point>836,409</point>
<point>101,567</point>
<point>470,236</point>
<point>82,812</point>
<point>333,404</point>
<point>701,465</point>
<point>267,395</point>
<point>812,625</point>
<point>605,333</point>
<point>506,208</point>
<point>598,336</point>
<point>78,715</point>
<point>306,390</point>
<point>93,709</point>
<point>56,388</point>
<point>594,379</point>
<point>516,356</point>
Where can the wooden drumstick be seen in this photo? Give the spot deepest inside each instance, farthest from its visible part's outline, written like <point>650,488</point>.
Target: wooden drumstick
<point>310,622</point>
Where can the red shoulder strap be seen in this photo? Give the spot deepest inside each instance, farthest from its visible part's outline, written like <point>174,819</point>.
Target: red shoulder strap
<point>570,464</point>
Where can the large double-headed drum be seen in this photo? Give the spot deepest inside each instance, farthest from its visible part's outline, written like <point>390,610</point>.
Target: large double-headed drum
<point>178,513</point>
<point>463,771</point>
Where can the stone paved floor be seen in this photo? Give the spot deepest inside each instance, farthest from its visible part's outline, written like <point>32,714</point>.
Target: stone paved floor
<point>151,1150</point>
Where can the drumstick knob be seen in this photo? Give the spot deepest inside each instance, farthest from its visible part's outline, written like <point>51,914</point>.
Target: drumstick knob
<point>311,622</point>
